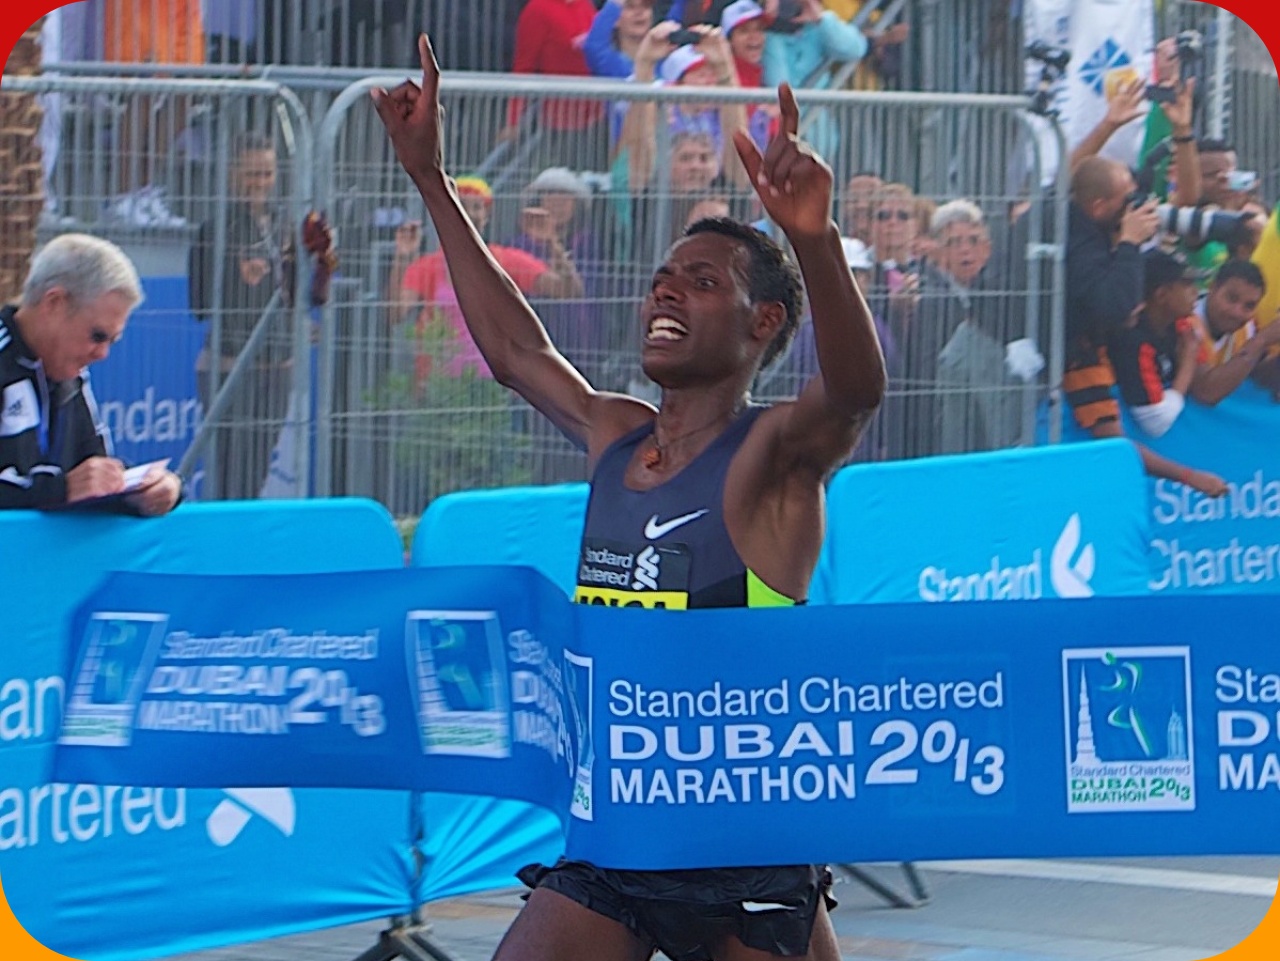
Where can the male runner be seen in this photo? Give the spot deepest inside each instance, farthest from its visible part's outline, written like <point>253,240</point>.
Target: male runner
<point>723,500</point>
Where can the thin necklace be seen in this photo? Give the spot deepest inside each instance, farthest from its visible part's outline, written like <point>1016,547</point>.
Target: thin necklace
<point>653,457</point>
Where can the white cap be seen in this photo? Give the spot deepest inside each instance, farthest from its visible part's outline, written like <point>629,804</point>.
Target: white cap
<point>737,14</point>
<point>560,180</point>
<point>680,61</point>
<point>856,254</point>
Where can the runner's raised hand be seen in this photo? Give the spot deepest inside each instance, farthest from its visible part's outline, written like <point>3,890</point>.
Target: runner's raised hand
<point>413,116</point>
<point>793,182</point>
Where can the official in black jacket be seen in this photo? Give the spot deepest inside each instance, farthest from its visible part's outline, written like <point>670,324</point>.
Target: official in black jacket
<point>53,448</point>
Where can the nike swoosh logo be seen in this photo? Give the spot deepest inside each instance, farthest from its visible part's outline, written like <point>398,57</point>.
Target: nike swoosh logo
<point>756,907</point>
<point>653,530</point>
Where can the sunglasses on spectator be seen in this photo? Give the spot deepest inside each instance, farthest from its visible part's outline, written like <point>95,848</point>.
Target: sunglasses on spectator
<point>890,214</point>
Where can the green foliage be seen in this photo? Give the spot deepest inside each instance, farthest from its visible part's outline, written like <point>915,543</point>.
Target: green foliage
<point>453,433</point>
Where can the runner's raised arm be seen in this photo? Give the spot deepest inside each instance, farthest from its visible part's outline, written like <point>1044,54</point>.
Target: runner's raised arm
<point>508,333</point>
<point>795,187</point>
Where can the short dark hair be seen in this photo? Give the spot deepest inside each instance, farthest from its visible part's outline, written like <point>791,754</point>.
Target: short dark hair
<point>1245,270</point>
<point>250,141</point>
<point>772,277</point>
<point>1213,145</point>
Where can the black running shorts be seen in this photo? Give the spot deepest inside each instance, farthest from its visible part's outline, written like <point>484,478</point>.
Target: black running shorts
<point>684,914</point>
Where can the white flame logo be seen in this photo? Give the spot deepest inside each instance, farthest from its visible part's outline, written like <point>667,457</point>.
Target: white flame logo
<point>275,804</point>
<point>1071,577</point>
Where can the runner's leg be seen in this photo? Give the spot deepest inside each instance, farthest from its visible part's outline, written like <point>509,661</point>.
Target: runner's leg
<point>552,927</point>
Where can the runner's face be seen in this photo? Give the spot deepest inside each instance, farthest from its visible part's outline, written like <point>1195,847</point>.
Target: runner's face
<point>1231,305</point>
<point>698,317</point>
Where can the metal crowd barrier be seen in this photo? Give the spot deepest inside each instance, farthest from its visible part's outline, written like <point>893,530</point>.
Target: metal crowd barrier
<point>153,165</point>
<point>430,435</point>
<point>395,412</point>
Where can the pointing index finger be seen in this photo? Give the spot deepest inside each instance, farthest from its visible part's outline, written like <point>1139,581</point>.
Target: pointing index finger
<point>430,69</point>
<point>789,110</point>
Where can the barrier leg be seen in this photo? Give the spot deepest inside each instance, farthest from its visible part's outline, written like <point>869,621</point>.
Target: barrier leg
<point>406,938</point>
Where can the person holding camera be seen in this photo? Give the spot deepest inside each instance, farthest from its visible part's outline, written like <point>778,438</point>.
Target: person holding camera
<point>706,62</point>
<point>803,36</point>
<point>1106,227</point>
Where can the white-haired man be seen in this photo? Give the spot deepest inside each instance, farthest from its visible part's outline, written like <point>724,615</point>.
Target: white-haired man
<point>53,448</point>
<point>981,402</point>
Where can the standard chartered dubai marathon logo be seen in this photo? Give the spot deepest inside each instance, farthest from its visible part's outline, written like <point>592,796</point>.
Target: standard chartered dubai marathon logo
<point>1071,566</point>
<point>1129,743</point>
<point>275,805</point>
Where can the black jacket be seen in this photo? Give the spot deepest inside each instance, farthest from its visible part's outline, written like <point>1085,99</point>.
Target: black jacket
<point>46,427</point>
<point>1104,285</point>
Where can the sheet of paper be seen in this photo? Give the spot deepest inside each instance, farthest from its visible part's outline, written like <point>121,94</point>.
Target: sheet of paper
<point>133,477</point>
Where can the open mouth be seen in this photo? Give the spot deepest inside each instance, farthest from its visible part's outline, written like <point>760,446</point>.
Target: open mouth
<point>666,328</point>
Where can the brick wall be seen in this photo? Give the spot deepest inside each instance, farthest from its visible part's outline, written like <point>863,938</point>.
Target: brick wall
<point>21,173</point>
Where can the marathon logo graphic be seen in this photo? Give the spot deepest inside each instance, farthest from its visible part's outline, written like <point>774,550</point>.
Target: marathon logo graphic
<point>613,575</point>
<point>458,668</point>
<point>578,678</point>
<point>1129,739</point>
<point>120,650</point>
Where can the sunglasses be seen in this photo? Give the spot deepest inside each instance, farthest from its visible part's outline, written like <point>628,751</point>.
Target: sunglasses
<point>890,214</point>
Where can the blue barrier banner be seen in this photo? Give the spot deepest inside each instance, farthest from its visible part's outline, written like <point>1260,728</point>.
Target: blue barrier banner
<point>1062,522</point>
<point>1200,544</point>
<point>1229,545</point>
<point>107,873</point>
<point>1118,726</point>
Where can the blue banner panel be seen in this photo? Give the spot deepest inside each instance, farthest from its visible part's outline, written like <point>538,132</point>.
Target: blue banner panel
<point>106,872</point>
<point>1110,727</point>
<point>1232,544</point>
<point>1063,522</point>
<point>1199,544</point>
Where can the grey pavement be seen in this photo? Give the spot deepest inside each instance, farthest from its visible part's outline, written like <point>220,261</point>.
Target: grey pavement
<point>1133,909</point>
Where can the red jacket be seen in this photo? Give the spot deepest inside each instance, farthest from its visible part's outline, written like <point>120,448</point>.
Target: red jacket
<point>549,39</point>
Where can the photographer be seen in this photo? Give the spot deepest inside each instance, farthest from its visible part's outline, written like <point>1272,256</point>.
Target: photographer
<point>1126,104</point>
<point>1105,288</point>
<point>1223,188</point>
<point>802,37</point>
<point>708,63</point>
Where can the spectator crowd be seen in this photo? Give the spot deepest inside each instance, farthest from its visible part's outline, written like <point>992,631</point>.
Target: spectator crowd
<point>1171,290</point>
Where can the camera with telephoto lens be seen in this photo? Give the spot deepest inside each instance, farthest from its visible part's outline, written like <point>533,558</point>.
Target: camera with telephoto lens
<point>1200,225</point>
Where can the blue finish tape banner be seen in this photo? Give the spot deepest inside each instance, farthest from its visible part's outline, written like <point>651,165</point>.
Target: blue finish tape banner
<point>105,872</point>
<point>1120,726</point>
